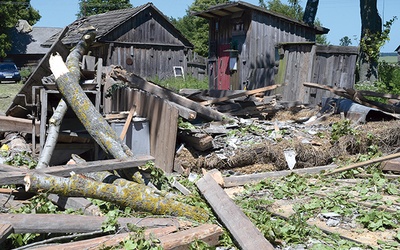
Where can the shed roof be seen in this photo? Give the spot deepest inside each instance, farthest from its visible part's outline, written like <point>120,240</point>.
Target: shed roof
<point>230,8</point>
<point>107,22</point>
<point>30,43</point>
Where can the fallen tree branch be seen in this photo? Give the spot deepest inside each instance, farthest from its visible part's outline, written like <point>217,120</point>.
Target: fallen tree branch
<point>364,163</point>
<point>137,196</point>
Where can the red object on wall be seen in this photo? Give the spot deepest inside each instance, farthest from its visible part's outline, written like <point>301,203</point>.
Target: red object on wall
<point>224,73</point>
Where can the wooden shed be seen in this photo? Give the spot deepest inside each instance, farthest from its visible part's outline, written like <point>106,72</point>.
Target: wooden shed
<point>242,44</point>
<point>398,53</point>
<point>142,40</point>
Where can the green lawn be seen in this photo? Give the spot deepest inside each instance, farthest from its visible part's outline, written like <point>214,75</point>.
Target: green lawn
<point>7,93</point>
<point>388,59</point>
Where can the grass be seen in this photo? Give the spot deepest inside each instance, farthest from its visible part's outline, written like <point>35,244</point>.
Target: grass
<point>388,59</point>
<point>7,94</point>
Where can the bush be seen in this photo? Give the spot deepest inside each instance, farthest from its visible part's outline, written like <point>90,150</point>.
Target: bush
<point>388,81</point>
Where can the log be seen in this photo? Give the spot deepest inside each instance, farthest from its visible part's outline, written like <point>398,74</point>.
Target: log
<point>248,92</point>
<point>239,225</point>
<point>364,163</point>
<point>33,223</point>
<point>134,195</point>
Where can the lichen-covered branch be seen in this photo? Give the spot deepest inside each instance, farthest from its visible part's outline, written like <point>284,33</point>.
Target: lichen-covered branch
<point>84,109</point>
<point>137,196</point>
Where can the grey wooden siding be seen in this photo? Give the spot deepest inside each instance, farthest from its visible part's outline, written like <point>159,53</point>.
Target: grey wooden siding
<point>333,66</point>
<point>163,122</point>
<point>148,62</point>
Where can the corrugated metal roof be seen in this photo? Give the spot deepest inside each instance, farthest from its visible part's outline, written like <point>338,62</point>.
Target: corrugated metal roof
<point>227,9</point>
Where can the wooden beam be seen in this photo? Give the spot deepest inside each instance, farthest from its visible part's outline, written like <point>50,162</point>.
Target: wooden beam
<point>69,223</point>
<point>9,123</point>
<point>240,180</point>
<point>106,242</point>
<point>5,231</point>
<point>249,92</point>
<point>184,112</point>
<point>242,229</point>
<point>391,165</point>
<point>135,81</point>
<point>208,233</point>
<point>127,122</point>
<point>17,177</point>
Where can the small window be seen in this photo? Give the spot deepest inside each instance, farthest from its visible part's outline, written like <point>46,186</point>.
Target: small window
<point>178,72</point>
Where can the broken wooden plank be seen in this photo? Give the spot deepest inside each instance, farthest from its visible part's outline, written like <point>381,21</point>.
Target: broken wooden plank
<point>33,223</point>
<point>240,180</point>
<point>5,231</point>
<point>248,92</point>
<point>17,177</point>
<point>364,163</point>
<point>108,241</point>
<point>208,233</point>
<point>135,81</point>
<point>127,122</point>
<point>198,141</point>
<point>13,124</point>
<point>75,203</point>
<point>391,165</point>
<point>184,112</point>
<point>239,225</point>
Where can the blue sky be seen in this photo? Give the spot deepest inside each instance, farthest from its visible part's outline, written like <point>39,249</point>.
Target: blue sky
<point>342,17</point>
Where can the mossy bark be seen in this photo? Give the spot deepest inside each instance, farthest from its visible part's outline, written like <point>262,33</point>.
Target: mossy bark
<point>137,196</point>
<point>73,94</point>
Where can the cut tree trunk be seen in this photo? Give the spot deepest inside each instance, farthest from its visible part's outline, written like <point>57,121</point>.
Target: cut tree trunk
<point>137,196</point>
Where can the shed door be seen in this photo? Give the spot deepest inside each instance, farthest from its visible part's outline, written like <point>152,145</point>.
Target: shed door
<point>223,67</point>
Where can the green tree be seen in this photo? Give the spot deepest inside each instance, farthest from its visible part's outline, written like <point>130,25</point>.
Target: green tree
<point>196,28</point>
<point>373,37</point>
<point>293,10</point>
<point>93,7</point>
<point>345,41</point>
<point>10,12</point>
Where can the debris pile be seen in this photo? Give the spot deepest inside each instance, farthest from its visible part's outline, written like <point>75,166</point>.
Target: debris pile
<point>243,162</point>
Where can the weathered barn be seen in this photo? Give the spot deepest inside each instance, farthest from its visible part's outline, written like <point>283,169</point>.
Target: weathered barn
<point>243,42</point>
<point>140,39</point>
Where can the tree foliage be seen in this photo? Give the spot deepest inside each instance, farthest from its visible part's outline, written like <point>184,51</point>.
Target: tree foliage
<point>292,10</point>
<point>345,41</point>
<point>10,12</point>
<point>372,39</point>
<point>196,28</point>
<point>93,7</point>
